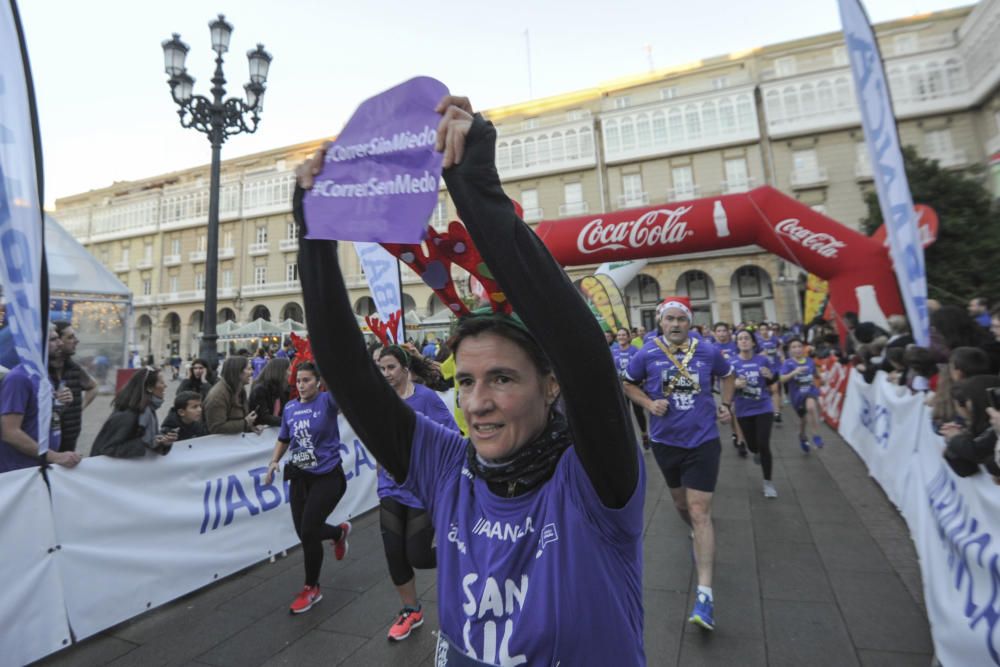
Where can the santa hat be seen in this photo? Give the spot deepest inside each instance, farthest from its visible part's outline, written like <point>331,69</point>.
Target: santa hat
<point>680,302</point>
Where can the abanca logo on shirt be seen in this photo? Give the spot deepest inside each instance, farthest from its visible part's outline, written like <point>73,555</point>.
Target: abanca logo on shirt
<point>496,530</point>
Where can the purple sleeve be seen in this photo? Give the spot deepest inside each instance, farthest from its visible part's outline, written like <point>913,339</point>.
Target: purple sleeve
<point>15,393</point>
<point>283,434</point>
<point>720,366</point>
<point>439,412</point>
<point>636,371</point>
<point>436,460</point>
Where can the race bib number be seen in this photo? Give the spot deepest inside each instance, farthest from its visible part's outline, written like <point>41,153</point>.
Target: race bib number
<point>304,459</point>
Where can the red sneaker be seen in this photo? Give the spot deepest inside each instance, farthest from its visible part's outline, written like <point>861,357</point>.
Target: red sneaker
<point>305,600</point>
<point>340,547</point>
<point>405,622</point>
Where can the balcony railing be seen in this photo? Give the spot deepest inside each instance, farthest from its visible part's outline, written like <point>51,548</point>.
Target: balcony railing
<point>196,256</point>
<point>574,208</point>
<point>188,295</point>
<point>122,265</point>
<point>809,176</point>
<point>533,214</point>
<point>255,249</point>
<point>144,263</point>
<point>171,260</point>
<point>268,288</point>
<point>682,194</point>
<point>143,300</point>
<point>227,253</point>
<point>633,199</point>
<point>955,158</point>
<point>288,244</point>
<point>227,292</point>
<point>729,187</point>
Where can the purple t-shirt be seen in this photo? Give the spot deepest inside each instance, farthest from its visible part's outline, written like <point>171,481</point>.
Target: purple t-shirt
<point>728,350</point>
<point>803,384</point>
<point>769,347</point>
<point>622,357</point>
<point>257,364</point>
<point>690,420</point>
<point>755,398</point>
<point>311,429</point>
<point>548,578</point>
<point>426,402</point>
<point>19,395</point>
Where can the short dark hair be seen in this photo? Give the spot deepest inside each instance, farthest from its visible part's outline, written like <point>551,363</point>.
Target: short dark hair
<point>720,324</point>
<point>851,318</point>
<point>506,328</point>
<point>753,337</point>
<point>970,361</point>
<point>183,398</point>
<point>61,326</point>
<point>308,366</point>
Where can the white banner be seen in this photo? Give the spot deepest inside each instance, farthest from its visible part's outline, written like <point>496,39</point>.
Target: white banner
<point>954,522</point>
<point>33,613</point>
<point>21,224</point>
<point>893,189</point>
<point>382,273</point>
<point>622,273</point>
<point>135,534</point>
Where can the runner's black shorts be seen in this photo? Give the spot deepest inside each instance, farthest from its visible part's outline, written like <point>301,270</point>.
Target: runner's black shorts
<point>696,468</point>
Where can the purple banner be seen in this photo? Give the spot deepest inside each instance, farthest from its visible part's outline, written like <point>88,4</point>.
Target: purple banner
<point>380,179</point>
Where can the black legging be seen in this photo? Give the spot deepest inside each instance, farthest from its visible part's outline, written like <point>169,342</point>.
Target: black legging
<point>757,431</point>
<point>408,538</point>
<point>640,417</point>
<point>313,498</point>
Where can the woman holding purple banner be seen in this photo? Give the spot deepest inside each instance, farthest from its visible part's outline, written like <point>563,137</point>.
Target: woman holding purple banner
<point>539,511</point>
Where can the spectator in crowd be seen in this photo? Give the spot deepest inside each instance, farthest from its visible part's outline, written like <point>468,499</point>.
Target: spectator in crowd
<point>970,445</point>
<point>185,417</point>
<point>287,351</point>
<point>979,309</point>
<point>199,380</point>
<point>271,392</point>
<point>952,327</point>
<point>967,362</point>
<point>258,362</point>
<point>67,373</point>
<point>226,408</point>
<point>430,349</point>
<point>921,368</point>
<point>132,428</point>
<point>19,417</point>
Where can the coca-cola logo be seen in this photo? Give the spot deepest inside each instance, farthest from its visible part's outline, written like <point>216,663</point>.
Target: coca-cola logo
<point>823,244</point>
<point>658,227</point>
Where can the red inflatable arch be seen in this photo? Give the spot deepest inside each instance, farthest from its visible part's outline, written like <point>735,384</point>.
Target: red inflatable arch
<point>856,266</point>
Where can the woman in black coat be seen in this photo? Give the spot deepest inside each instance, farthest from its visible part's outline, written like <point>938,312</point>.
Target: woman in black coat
<point>132,429</point>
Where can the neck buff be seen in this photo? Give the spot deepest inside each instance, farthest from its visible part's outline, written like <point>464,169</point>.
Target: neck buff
<point>530,466</point>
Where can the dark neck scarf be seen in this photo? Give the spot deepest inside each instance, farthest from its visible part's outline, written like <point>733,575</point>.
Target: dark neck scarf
<point>530,466</point>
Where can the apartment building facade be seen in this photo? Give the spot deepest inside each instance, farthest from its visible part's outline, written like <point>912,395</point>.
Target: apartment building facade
<point>783,115</point>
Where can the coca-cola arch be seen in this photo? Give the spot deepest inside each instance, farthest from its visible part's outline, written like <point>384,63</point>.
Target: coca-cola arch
<point>855,265</point>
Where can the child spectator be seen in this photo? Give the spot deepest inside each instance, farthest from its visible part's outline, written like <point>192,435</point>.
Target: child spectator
<point>185,417</point>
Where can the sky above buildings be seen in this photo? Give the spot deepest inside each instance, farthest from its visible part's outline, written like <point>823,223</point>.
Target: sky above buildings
<point>106,113</point>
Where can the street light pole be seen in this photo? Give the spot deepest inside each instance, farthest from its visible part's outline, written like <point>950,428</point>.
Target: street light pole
<point>218,119</point>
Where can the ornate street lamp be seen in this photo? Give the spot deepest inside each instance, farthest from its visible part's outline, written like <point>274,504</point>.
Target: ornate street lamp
<point>218,118</point>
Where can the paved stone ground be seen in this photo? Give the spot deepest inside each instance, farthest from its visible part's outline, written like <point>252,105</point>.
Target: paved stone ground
<point>824,575</point>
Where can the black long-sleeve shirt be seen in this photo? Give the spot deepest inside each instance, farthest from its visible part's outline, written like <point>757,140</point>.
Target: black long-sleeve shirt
<point>532,281</point>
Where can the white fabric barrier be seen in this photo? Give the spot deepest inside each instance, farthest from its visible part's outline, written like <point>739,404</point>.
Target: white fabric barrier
<point>135,534</point>
<point>954,522</point>
<point>33,614</point>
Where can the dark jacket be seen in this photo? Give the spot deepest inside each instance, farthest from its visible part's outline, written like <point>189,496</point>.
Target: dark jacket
<point>197,386</point>
<point>965,453</point>
<point>187,431</point>
<point>262,398</point>
<point>71,416</point>
<point>120,437</point>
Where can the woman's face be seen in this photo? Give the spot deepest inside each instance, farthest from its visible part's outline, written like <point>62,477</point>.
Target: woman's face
<point>795,349</point>
<point>247,373</point>
<point>504,399</point>
<point>393,372</point>
<point>307,385</point>
<point>198,371</point>
<point>744,341</point>
<point>622,338</point>
<point>161,385</point>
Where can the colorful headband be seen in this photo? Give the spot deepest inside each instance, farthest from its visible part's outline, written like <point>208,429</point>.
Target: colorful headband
<point>385,331</point>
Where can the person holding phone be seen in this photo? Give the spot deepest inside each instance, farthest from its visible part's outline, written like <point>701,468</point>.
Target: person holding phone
<point>315,476</point>
<point>131,430</point>
<point>226,408</point>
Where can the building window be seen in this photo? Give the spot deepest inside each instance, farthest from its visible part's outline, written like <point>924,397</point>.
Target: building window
<point>147,251</point>
<point>292,231</point>
<point>622,102</point>
<point>147,286</point>
<point>668,93</point>
<point>104,256</point>
<point>227,239</point>
<point>199,280</point>
<point>612,138</point>
<point>260,275</point>
<point>529,202</point>
<point>692,122</point>
<point>737,179</point>
<point>938,143</point>
<point>575,114</point>
<point>862,159</point>
<point>644,131</point>
<point>748,282</point>
<point>573,193</point>
<point>697,285</point>
<point>659,128</point>
<point>840,56</point>
<point>227,279</point>
<point>632,193</point>
<point>785,66</point>
<point>628,134</point>
<point>291,272</point>
<point>175,246</point>
<point>125,253</point>
<point>905,43</point>
<point>439,219</point>
<point>261,234</point>
<point>649,289</point>
<point>683,178</point>
<point>675,125</point>
<point>805,161</point>
<point>173,284</point>
<point>529,123</point>
<point>719,82</point>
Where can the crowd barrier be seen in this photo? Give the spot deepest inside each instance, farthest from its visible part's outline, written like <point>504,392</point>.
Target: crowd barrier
<point>112,538</point>
<point>953,521</point>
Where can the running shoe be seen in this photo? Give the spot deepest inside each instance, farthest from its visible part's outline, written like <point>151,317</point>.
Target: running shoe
<point>777,417</point>
<point>305,600</point>
<point>405,622</point>
<point>818,442</point>
<point>804,445</point>
<point>340,547</point>
<point>703,614</point>
<point>769,490</point>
